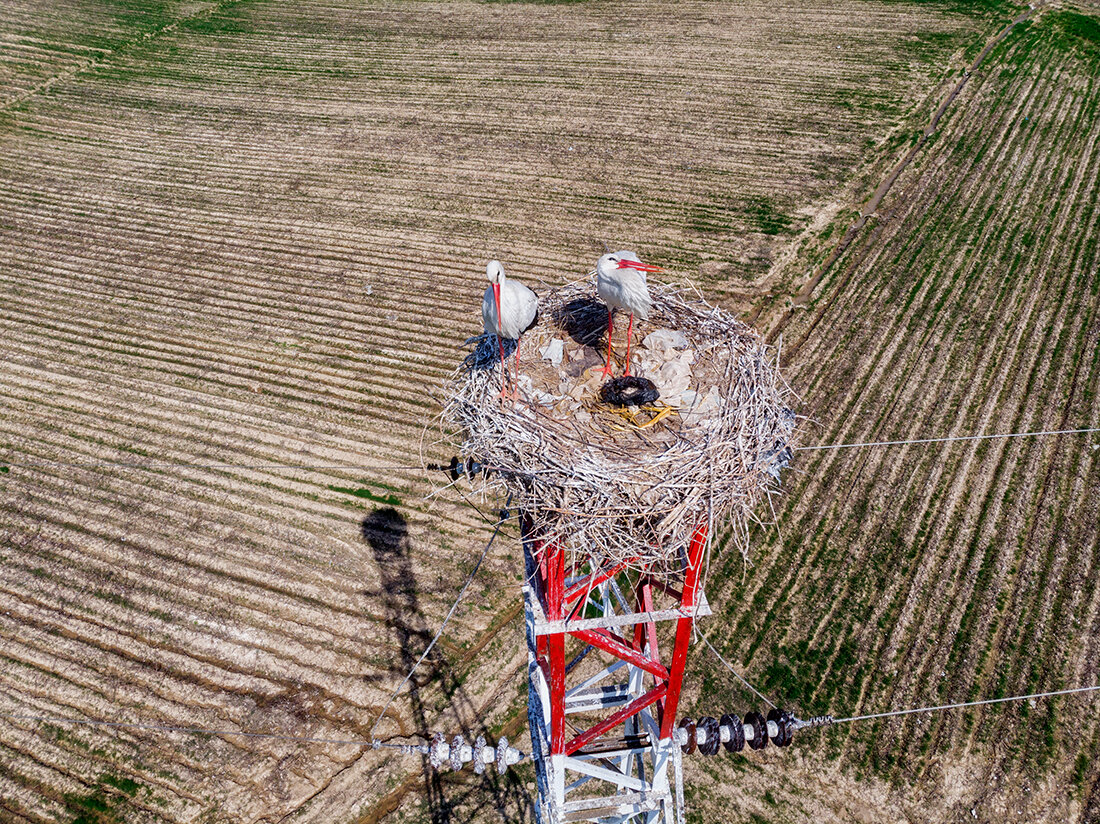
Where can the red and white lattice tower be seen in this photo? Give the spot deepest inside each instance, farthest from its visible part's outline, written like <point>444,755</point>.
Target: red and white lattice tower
<point>604,743</point>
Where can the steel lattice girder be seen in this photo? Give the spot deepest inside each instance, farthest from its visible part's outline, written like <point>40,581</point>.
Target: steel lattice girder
<point>636,766</point>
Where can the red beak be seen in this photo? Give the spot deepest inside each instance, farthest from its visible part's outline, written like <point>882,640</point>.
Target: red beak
<point>639,266</point>
<point>496,296</point>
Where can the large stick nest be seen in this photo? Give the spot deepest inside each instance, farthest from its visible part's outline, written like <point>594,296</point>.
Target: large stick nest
<point>629,484</point>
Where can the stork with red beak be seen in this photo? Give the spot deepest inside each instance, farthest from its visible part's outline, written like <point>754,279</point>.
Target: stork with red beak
<point>508,309</point>
<point>620,282</point>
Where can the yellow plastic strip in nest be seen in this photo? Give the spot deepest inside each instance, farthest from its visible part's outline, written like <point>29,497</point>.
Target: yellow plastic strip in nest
<point>632,417</point>
<point>664,413</point>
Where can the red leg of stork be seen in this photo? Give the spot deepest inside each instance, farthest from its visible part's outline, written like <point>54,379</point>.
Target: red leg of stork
<point>607,366</point>
<point>629,331</point>
<point>503,371</point>
<point>515,387</point>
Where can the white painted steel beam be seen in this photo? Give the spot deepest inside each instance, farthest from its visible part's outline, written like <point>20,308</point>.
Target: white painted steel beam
<point>546,627</point>
<point>604,774</point>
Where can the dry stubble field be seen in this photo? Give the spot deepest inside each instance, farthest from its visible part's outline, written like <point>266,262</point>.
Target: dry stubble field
<point>240,244</point>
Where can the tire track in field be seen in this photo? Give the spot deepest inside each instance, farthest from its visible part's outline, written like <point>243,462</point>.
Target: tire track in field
<point>183,226</point>
<point>103,56</point>
<point>804,294</point>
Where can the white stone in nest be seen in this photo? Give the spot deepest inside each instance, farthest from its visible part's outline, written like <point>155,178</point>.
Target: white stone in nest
<point>661,341</point>
<point>671,373</point>
<point>553,351</point>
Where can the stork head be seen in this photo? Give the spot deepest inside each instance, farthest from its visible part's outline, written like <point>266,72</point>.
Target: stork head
<point>607,264</point>
<point>495,272</point>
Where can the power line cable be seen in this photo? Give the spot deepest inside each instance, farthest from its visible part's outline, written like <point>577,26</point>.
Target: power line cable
<point>376,744</point>
<point>195,730</point>
<point>892,713</point>
<point>945,440</point>
<point>436,467</point>
<point>138,465</point>
<point>736,674</point>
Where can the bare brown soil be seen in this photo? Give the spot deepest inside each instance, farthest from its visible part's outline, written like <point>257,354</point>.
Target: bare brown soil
<point>803,296</point>
<point>240,244</point>
<point>922,575</point>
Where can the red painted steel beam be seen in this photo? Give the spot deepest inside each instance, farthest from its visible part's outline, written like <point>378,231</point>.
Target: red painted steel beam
<point>646,604</point>
<point>683,630</point>
<point>555,582</point>
<point>610,643</point>
<point>633,708</point>
<point>639,629</point>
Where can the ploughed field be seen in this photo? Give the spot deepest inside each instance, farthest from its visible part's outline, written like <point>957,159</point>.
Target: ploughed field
<point>241,244</point>
<point>916,575</point>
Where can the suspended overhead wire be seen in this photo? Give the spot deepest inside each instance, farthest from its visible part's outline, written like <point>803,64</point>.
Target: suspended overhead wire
<point>373,742</point>
<point>946,440</point>
<point>184,465</point>
<point>410,467</point>
<point>49,719</point>
<point>736,674</point>
<point>892,713</point>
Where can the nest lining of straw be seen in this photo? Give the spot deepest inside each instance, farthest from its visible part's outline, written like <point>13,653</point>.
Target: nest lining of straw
<point>627,485</point>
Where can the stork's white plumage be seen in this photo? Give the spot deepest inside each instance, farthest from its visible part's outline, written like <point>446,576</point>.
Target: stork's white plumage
<point>508,309</point>
<point>621,286</point>
<point>621,283</point>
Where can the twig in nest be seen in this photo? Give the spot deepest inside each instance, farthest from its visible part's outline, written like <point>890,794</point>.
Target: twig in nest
<point>633,496</point>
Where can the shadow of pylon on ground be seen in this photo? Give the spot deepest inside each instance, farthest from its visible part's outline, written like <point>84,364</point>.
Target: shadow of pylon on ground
<point>387,532</point>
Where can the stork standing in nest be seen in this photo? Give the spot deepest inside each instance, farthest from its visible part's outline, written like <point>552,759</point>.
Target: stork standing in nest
<point>621,284</point>
<point>508,309</point>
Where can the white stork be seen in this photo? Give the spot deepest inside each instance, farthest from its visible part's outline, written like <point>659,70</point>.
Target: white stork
<point>508,309</point>
<point>620,282</point>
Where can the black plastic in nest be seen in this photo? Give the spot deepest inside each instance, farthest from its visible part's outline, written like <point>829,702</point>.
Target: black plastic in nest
<point>629,391</point>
